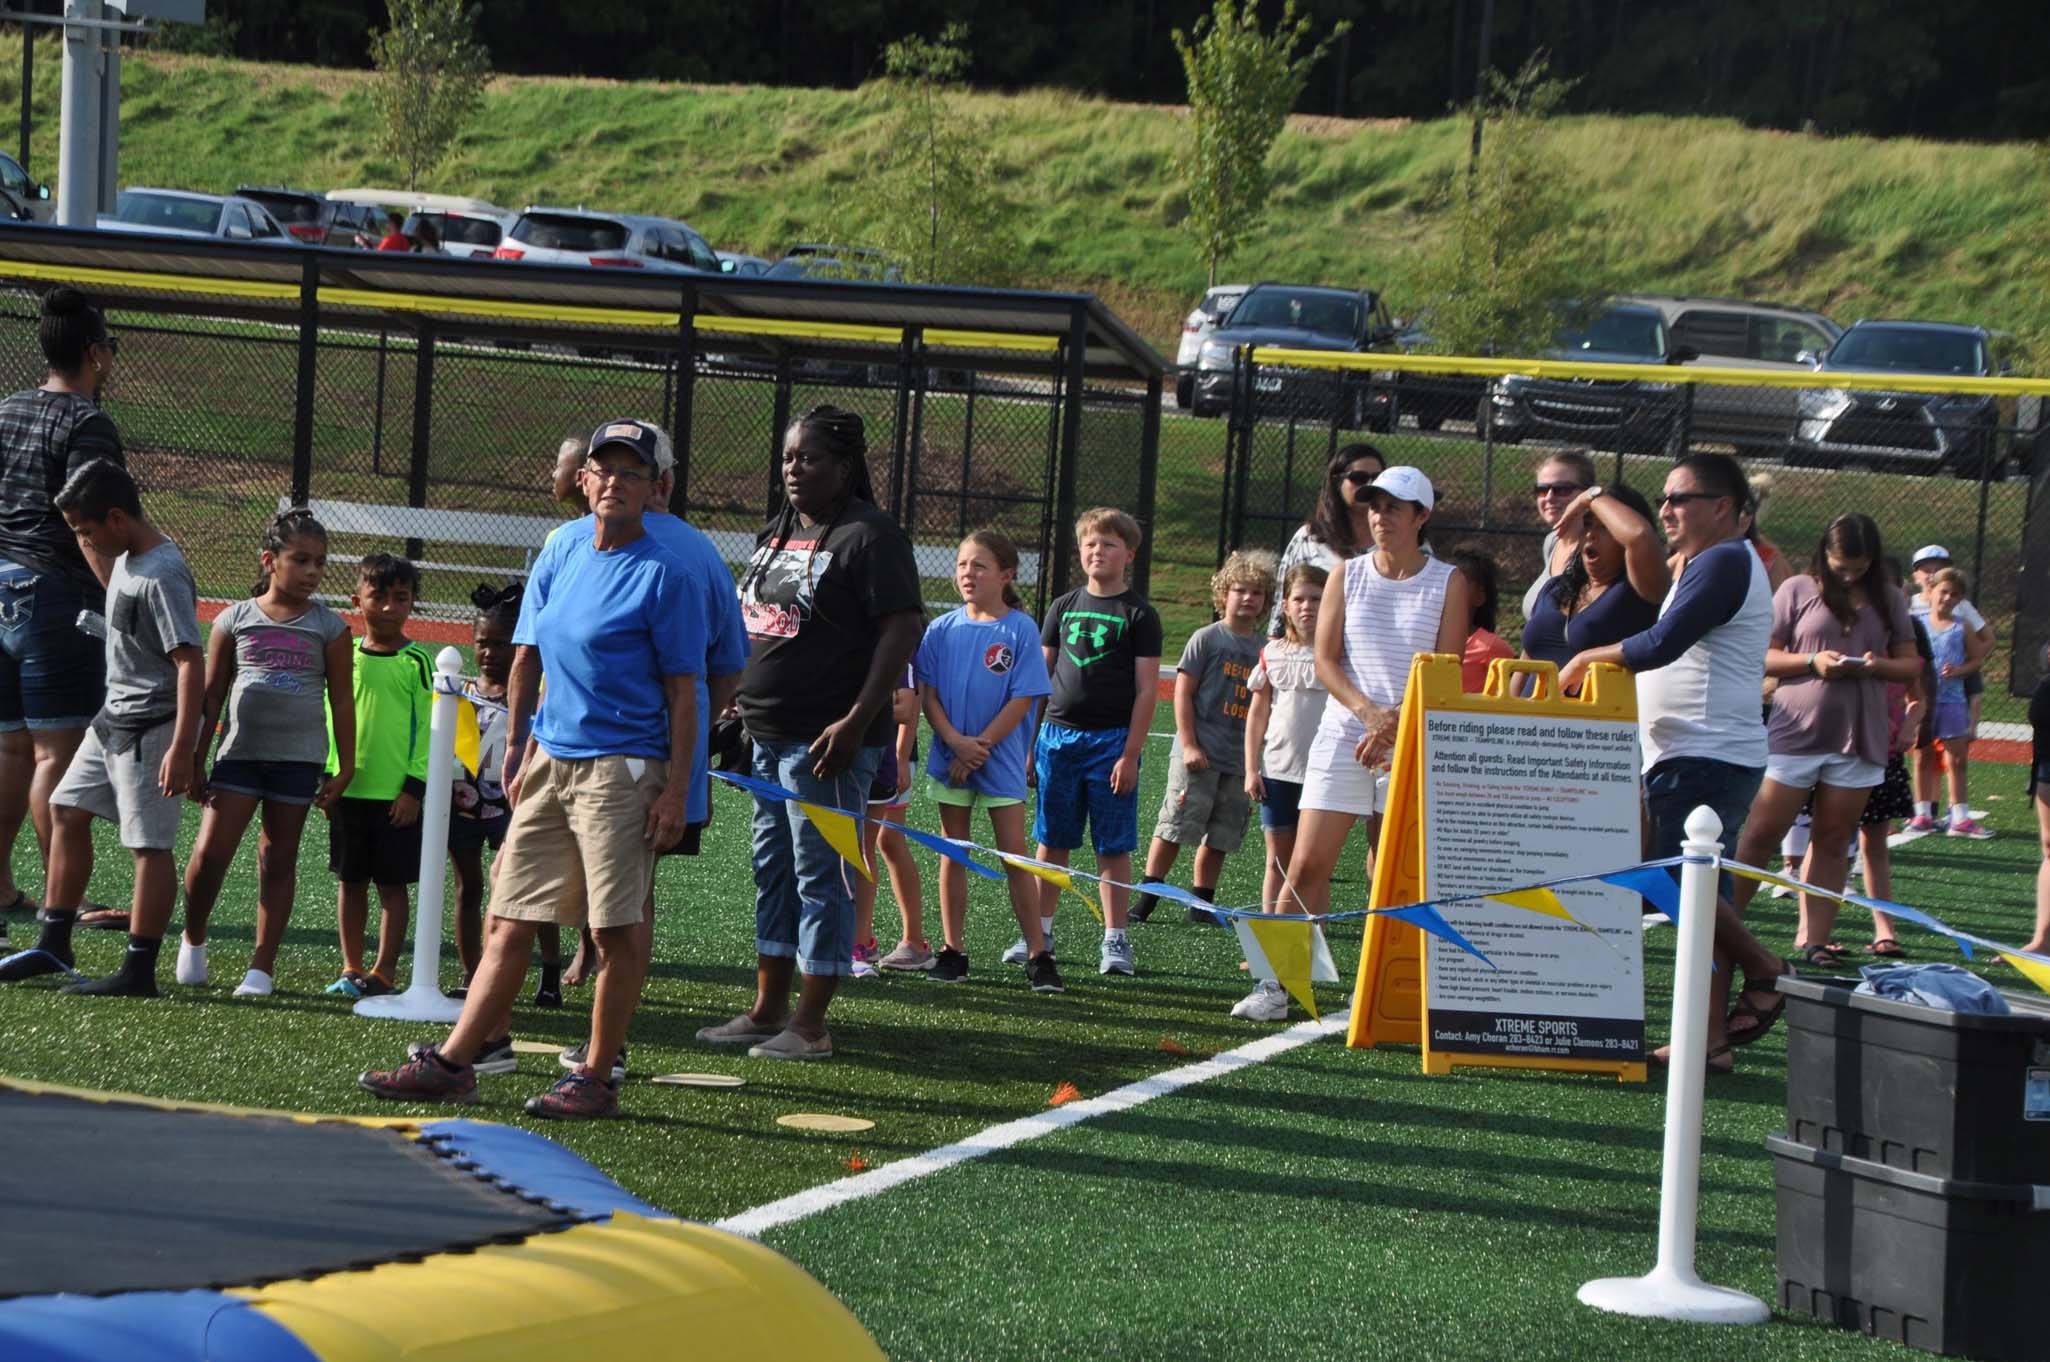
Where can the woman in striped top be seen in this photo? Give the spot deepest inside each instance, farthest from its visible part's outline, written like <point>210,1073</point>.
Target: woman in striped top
<point>1378,613</point>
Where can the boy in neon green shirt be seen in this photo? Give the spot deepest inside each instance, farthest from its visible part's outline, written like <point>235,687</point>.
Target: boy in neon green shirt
<point>374,828</point>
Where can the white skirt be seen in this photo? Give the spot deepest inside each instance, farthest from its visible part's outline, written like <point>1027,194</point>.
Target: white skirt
<point>1336,783</point>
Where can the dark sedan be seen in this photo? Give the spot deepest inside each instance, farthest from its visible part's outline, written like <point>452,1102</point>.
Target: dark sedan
<point>1300,317</point>
<point>1639,416</point>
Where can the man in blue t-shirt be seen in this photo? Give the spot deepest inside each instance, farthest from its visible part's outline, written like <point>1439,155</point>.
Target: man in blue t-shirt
<point>618,624</point>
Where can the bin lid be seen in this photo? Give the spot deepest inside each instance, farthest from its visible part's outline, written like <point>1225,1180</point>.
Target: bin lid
<point>2030,1016</point>
<point>2035,1196</point>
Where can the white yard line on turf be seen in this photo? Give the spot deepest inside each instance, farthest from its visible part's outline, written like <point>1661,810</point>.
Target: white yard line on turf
<point>876,1181</point>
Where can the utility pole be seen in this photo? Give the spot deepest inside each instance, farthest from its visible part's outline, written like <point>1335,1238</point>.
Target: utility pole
<point>1480,87</point>
<point>28,82</point>
<point>78,134</point>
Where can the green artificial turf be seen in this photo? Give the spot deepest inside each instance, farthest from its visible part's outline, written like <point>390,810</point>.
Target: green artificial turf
<point>1331,1203</point>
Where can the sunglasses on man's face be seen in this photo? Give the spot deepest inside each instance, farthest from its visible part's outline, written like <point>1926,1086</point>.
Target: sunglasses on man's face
<point>1682,498</point>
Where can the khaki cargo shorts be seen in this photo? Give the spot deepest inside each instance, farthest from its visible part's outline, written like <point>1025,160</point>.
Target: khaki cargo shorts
<point>577,850</point>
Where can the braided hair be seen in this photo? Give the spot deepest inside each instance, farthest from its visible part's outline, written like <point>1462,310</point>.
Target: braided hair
<point>293,523</point>
<point>68,326</point>
<point>499,605</point>
<point>845,437</point>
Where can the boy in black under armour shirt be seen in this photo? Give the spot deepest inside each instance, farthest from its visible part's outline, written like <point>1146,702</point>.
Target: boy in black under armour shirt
<point>1103,644</point>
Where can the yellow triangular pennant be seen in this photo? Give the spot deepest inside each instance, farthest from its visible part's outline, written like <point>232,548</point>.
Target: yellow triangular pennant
<point>840,833</point>
<point>1287,948</point>
<point>1536,901</point>
<point>2035,971</point>
<point>469,740</point>
<point>1059,878</point>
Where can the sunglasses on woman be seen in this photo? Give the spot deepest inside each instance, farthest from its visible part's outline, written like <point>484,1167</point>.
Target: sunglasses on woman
<point>1360,477</point>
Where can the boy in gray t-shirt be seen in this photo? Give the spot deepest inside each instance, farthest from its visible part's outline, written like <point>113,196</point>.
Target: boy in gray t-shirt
<point>134,765</point>
<point>1206,797</point>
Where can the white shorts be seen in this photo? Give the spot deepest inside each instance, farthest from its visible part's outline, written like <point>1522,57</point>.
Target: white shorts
<point>1336,783</point>
<point>1807,770</point>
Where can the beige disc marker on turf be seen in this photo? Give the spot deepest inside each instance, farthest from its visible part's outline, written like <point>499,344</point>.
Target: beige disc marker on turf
<point>809,1120</point>
<point>535,1047</point>
<point>700,1080</point>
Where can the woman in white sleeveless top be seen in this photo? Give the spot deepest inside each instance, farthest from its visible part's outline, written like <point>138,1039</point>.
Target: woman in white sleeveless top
<point>1382,610</point>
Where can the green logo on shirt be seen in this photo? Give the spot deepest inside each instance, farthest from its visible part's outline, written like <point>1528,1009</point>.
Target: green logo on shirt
<point>1093,633</point>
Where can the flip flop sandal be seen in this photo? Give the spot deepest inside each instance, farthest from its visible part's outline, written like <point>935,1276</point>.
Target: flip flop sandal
<point>1820,957</point>
<point>1659,1064</point>
<point>1763,1018</point>
<point>1886,948</point>
<point>101,916</point>
<point>22,904</point>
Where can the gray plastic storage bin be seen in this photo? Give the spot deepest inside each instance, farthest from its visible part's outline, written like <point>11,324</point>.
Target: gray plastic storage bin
<point>1939,1264</point>
<point>1953,1095</point>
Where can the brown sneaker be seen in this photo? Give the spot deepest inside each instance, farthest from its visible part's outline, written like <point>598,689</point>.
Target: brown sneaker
<point>577,1097</point>
<point>742,1030</point>
<point>424,1077</point>
<point>790,1045</point>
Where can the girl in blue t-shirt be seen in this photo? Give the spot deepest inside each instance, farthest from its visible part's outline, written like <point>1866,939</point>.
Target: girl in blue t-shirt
<point>979,671</point>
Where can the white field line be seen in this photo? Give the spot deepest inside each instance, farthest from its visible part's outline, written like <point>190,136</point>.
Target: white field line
<point>754,1223</point>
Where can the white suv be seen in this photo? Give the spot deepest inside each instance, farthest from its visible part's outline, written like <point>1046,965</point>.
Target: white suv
<point>576,236</point>
<point>1196,329</point>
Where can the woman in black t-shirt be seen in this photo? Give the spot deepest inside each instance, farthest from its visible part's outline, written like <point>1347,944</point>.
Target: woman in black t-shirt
<point>52,675</point>
<point>832,605</point>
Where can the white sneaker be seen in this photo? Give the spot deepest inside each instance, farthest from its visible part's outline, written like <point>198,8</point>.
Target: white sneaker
<point>191,964</point>
<point>1117,957</point>
<point>1267,1003</point>
<point>1017,952</point>
<point>255,984</point>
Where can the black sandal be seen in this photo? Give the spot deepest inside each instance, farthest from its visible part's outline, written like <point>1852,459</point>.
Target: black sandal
<point>1824,956</point>
<point>1886,948</point>
<point>1763,1018</point>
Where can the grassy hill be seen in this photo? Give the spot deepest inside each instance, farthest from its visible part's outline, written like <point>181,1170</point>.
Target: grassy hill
<point>1857,226</point>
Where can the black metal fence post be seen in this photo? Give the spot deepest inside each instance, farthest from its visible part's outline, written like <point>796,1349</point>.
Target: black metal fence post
<point>309,358</point>
<point>423,426</point>
<point>377,418</point>
<point>968,461</point>
<point>914,348</point>
<point>779,422</point>
<point>1149,481</point>
<point>686,392</point>
<point>1071,447</point>
<point>898,429</point>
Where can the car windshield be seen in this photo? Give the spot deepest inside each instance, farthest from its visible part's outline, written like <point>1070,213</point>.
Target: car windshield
<point>1616,333</point>
<point>552,232</point>
<point>166,210</point>
<point>286,207</point>
<point>826,267</point>
<point>1910,350</point>
<point>1327,314</point>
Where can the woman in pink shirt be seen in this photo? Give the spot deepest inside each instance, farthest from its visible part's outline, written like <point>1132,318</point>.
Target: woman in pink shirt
<point>1840,633</point>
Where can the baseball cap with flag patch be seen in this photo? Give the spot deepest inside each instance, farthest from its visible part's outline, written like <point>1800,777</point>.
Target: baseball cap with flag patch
<point>642,437</point>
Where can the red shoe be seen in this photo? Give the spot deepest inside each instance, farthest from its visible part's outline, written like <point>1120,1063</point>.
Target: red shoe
<point>424,1077</point>
<point>577,1096</point>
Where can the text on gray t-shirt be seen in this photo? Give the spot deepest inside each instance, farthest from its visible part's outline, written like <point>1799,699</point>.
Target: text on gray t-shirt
<point>277,708</point>
<point>1222,663</point>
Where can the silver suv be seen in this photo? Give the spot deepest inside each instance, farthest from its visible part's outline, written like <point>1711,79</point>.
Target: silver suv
<point>1733,334</point>
<point>577,236</point>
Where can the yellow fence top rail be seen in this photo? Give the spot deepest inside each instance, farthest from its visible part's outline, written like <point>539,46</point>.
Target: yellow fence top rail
<point>455,305</point>
<point>1281,357</point>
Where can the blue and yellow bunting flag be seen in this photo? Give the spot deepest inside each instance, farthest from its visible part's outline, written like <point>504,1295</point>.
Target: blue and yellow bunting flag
<point>2035,971</point>
<point>1281,949</point>
<point>1426,917</point>
<point>1650,883</point>
<point>469,738</point>
<point>948,848</point>
<point>1056,876</point>
<point>841,832</point>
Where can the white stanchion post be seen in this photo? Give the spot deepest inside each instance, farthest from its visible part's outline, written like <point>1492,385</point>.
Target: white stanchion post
<point>1672,1289</point>
<point>423,999</point>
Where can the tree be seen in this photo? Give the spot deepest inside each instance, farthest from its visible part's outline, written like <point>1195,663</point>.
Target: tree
<point>1242,82</point>
<point>934,198</point>
<point>430,78</point>
<point>1508,254</point>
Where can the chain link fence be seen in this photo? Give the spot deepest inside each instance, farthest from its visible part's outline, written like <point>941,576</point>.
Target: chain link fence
<point>437,437</point>
<point>1933,461</point>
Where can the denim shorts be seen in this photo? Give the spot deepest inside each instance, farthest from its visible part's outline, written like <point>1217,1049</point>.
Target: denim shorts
<point>1675,787</point>
<point>804,891</point>
<point>281,782</point>
<point>1281,810</point>
<point>52,674</point>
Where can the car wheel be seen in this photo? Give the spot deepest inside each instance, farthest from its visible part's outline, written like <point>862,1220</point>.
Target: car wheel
<point>1184,390</point>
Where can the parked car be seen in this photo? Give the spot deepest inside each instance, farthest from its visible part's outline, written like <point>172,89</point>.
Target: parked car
<point>1635,415</point>
<point>1733,334</point>
<point>179,212</point>
<point>1962,433</point>
<point>1300,317</point>
<point>578,236</point>
<point>742,265</point>
<point>1197,328</point>
<point>315,219</point>
<point>24,189</point>
<point>817,261</point>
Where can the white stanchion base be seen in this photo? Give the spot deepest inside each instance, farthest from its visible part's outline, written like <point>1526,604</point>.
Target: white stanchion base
<point>415,1004</point>
<point>1667,1295</point>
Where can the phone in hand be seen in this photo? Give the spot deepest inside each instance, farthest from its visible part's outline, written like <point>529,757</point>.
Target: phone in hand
<point>1855,661</point>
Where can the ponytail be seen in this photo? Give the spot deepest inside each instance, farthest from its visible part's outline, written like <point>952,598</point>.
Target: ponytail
<point>293,523</point>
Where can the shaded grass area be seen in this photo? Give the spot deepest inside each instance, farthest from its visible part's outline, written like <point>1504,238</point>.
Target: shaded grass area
<point>1858,226</point>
